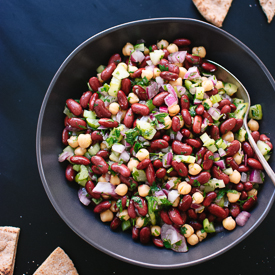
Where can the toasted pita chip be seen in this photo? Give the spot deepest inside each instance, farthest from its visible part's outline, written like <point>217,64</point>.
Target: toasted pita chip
<point>8,246</point>
<point>213,11</point>
<point>58,263</point>
<point>268,7</point>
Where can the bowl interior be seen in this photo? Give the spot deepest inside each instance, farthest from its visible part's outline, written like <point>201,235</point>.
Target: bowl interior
<point>70,81</point>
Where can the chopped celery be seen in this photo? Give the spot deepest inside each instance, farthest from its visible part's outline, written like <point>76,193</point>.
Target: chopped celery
<point>241,110</point>
<point>115,85</point>
<point>114,157</point>
<point>187,84</point>
<point>255,112</point>
<point>100,69</point>
<point>126,225</point>
<point>67,112</point>
<point>204,137</point>
<point>267,157</point>
<point>186,159</point>
<point>215,183</point>
<point>76,167</point>
<point>199,93</point>
<point>147,130</point>
<point>228,171</point>
<point>120,73</point>
<point>93,150</point>
<point>156,56</point>
<point>68,149</point>
<point>139,175</point>
<point>208,226</point>
<point>152,204</point>
<point>115,136</point>
<point>237,101</point>
<point>89,114</point>
<point>210,144</point>
<point>83,173</point>
<point>87,155</point>
<point>93,122</point>
<point>263,147</point>
<point>220,143</point>
<point>215,98</point>
<point>241,135</point>
<point>150,105</point>
<point>230,88</point>
<point>208,189</point>
<point>139,47</point>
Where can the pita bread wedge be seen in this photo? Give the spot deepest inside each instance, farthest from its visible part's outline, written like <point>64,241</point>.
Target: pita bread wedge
<point>213,11</point>
<point>268,7</point>
<point>58,263</point>
<point>8,246</point>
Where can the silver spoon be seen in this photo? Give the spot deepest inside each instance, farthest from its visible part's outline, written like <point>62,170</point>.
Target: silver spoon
<point>226,76</point>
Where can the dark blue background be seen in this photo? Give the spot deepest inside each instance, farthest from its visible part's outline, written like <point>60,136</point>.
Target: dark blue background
<point>35,38</point>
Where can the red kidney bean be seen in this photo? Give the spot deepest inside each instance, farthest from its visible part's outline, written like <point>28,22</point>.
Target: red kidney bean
<point>193,142</point>
<point>77,123</point>
<point>200,153</point>
<point>141,206</point>
<point>143,64</point>
<point>65,136</point>
<point>185,203</point>
<point>269,144</point>
<point>186,117</point>
<point>239,124</point>
<point>209,67</point>
<point>115,58</point>
<point>140,92</point>
<point>154,47</point>
<point>131,210</point>
<point>108,123</point>
<point>145,234</point>
<point>244,195</point>
<point>186,133</point>
<point>184,102</point>
<point>85,98</point>
<point>249,203</point>
<point>243,168</point>
<point>212,92</point>
<point>107,72</point>
<point>161,173</point>
<point>202,178</point>
<point>233,148</point>
<point>247,149</point>
<point>193,59</point>
<point>94,83</point>
<point>166,53</point>
<point>263,137</point>
<point>182,42</point>
<point>233,107</point>
<point>201,217</point>
<point>131,183</point>
<point>180,167</point>
<point>192,214</point>
<point>89,186</point>
<point>228,125</point>
<point>100,163</point>
<point>140,109</point>
<point>180,148</point>
<point>157,242</point>
<point>200,109</point>
<point>122,100</point>
<point>121,169</point>
<point>209,198</point>
<point>103,206</point>
<point>234,210</point>
<point>197,124</point>
<point>207,116</point>
<point>255,164</point>
<point>175,216</point>
<point>166,138</point>
<point>173,68</point>
<point>217,211</point>
<point>129,118</point>
<point>66,121</point>
<point>150,174</point>
<point>96,136</point>
<point>239,187</point>
<point>211,217</point>
<point>159,144</point>
<point>169,76</point>
<point>157,164</point>
<point>103,153</point>
<point>165,217</point>
<point>248,186</point>
<point>137,73</point>
<point>255,135</point>
<point>164,62</point>
<point>157,136</point>
<point>223,103</point>
<point>215,132</point>
<point>143,164</point>
<point>116,222</point>
<point>196,225</point>
<point>80,160</point>
<point>70,173</point>
<point>158,100</point>
<point>135,233</point>
<point>100,109</point>
<point>232,163</point>
<point>175,124</point>
<point>226,109</point>
<point>126,85</point>
<point>93,98</point>
<point>74,107</point>
<point>208,160</point>
<point>218,174</point>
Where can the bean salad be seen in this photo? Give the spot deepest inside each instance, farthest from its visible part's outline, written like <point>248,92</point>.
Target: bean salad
<point>157,146</point>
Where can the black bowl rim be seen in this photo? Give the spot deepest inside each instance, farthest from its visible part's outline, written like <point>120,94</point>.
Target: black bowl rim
<point>38,139</point>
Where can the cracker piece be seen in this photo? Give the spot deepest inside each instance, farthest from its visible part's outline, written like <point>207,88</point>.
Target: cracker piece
<point>268,7</point>
<point>8,246</point>
<point>58,263</point>
<point>213,11</point>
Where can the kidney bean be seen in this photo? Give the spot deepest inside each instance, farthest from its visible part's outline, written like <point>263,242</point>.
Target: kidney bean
<point>209,67</point>
<point>248,186</point>
<point>169,76</point>
<point>131,183</point>
<point>263,137</point>
<point>192,214</point>
<point>269,144</point>
<point>243,168</point>
<point>223,103</point>
<point>93,98</point>
<point>164,62</point>
<point>180,167</point>
<point>233,148</point>
<point>116,222</point>
<point>85,98</point>
<point>186,133</point>
<point>193,142</point>
<point>80,160</point>
<point>185,203</point>
<point>208,160</point>
<point>94,83</point>
<point>74,107</point>
<point>160,173</point>
<point>196,225</point>
<point>100,109</point>
<point>103,153</point>
<point>206,115</point>
<point>255,164</point>
<point>211,217</point>
<point>217,211</point>
<point>135,233</point>
<point>157,164</point>
<point>141,206</point>
<point>107,72</point>
<point>140,92</point>
<point>108,123</point>
<point>70,173</point>
<point>244,195</point>
<point>215,132</point>
<point>77,123</point>
<point>159,144</point>
<point>165,217</point>
<point>96,136</point>
<point>173,68</point>
<point>103,206</point>
<point>166,53</point>
<point>145,234</point>
<point>143,64</point>
<point>166,138</point>
<point>66,121</point>
<point>247,149</point>
<point>180,148</point>
<point>194,190</point>
<point>249,203</point>
<point>184,102</point>
<point>175,124</point>
<point>89,186</point>
<point>239,187</point>
<point>157,135</point>
<point>137,73</point>
<point>131,210</point>
<point>209,198</point>
<point>202,178</point>
<point>65,136</point>
<point>228,125</point>
<point>232,163</point>
<point>200,109</point>
<point>197,124</point>
<point>157,242</point>
<point>218,174</point>
<point>200,153</point>
<point>129,118</point>
<point>158,100</point>
<point>193,59</point>
<point>175,216</point>
<point>143,164</point>
<point>212,92</point>
<point>186,117</point>
<point>122,100</point>
<point>255,135</point>
<point>150,174</point>
<point>226,109</point>
<point>201,216</point>
<point>121,169</point>
<point>115,58</point>
<point>140,109</point>
<point>182,42</point>
<point>239,124</point>
<point>100,163</point>
<point>126,85</point>
<point>234,210</point>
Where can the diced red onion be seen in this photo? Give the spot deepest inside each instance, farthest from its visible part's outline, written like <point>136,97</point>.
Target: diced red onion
<point>204,124</point>
<point>219,228</point>
<point>255,176</point>
<point>107,177</point>
<point>216,105</point>
<point>159,80</point>
<point>171,91</point>
<point>192,90</point>
<point>216,156</point>
<point>179,136</point>
<point>137,56</point>
<point>213,78</point>
<point>118,117</point>
<point>102,127</point>
<point>159,193</point>
<point>177,57</point>
<point>205,96</point>
<point>124,156</point>
<point>182,247</point>
<point>170,100</point>
<point>199,161</point>
<point>166,150</point>
<point>168,232</point>
<point>181,90</point>
<point>105,188</point>
<point>163,109</point>
<point>65,155</point>
<point>192,73</point>
<point>197,101</point>
<point>173,195</point>
<point>150,68</point>
<point>82,195</point>
<point>166,192</point>
<point>149,62</point>
<point>172,135</point>
<point>102,92</point>
<point>242,218</point>
<point>144,118</point>
<point>226,202</point>
<point>152,90</point>
<point>220,163</point>
<point>226,96</point>
<point>105,136</point>
<point>170,184</point>
<point>222,153</point>
<point>108,100</point>
<point>160,126</point>
<point>119,148</point>
<point>243,177</point>
<point>214,113</point>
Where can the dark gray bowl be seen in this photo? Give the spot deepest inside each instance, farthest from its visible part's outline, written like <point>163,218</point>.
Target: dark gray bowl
<point>70,82</point>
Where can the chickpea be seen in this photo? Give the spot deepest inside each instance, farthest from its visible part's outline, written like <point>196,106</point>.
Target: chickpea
<point>229,223</point>
<point>132,98</point>
<point>174,110</point>
<point>252,192</point>
<point>219,85</point>
<point>197,198</point>
<point>147,73</point>
<point>162,44</point>
<point>235,177</point>
<point>146,50</point>
<point>127,49</point>
<point>132,163</point>
<point>228,136</point>
<point>113,207</point>
<point>142,154</point>
<point>106,216</point>
<point>139,222</point>
<point>208,102</point>
<point>204,78</point>
<point>132,69</point>
<point>207,85</point>
<point>200,51</point>
<point>172,48</point>
<point>253,125</point>
<point>193,239</point>
<point>121,189</point>
<point>176,202</point>
<point>123,215</point>
<point>201,235</point>
<point>72,141</point>
<point>101,179</point>
<point>194,169</point>
<point>156,72</point>
<point>188,231</point>
<point>184,188</point>
<point>233,197</point>
<point>84,140</point>
<point>103,145</point>
<point>182,72</point>
<point>167,122</point>
<point>177,82</point>
<point>115,180</point>
<point>80,151</point>
<point>238,158</point>
<point>114,108</point>
<point>143,190</point>
<point>155,230</point>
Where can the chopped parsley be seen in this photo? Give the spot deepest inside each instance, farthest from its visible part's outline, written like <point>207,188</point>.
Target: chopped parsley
<point>160,117</point>
<point>163,68</point>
